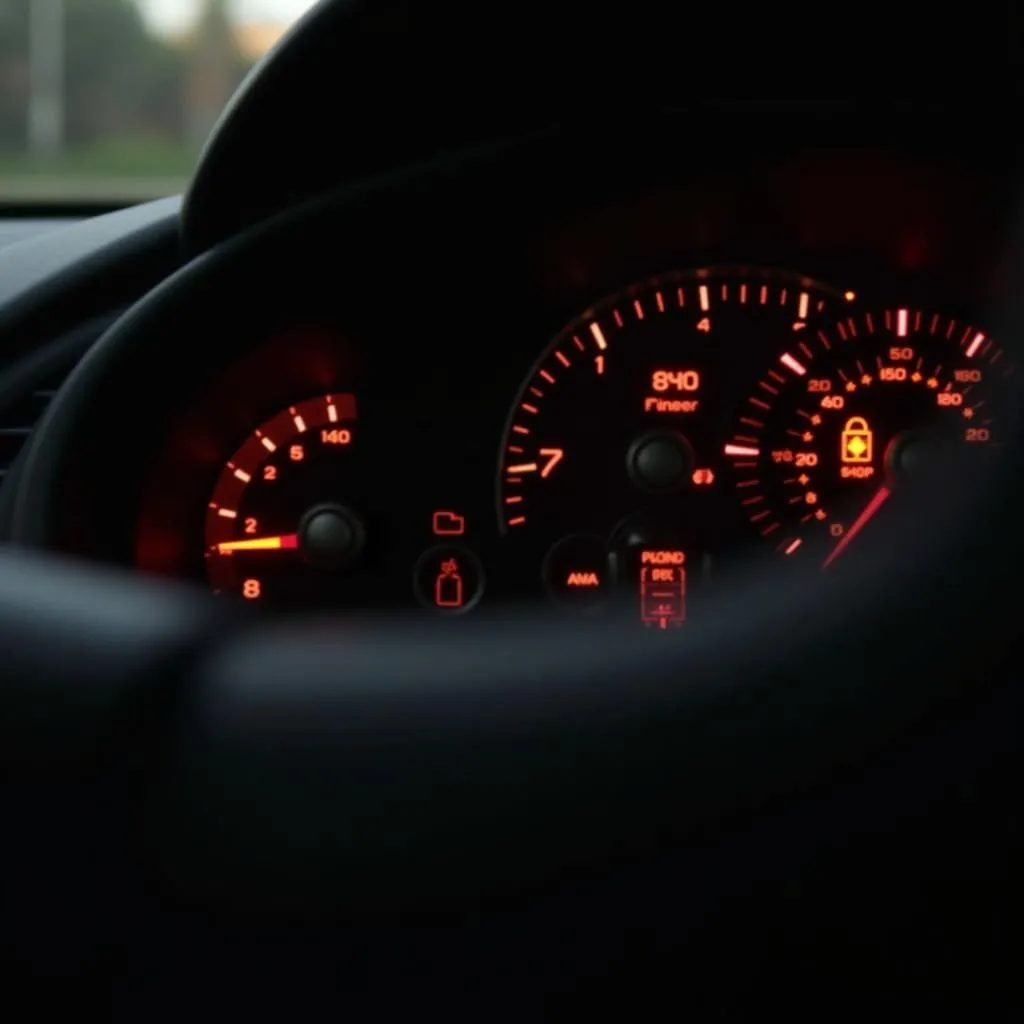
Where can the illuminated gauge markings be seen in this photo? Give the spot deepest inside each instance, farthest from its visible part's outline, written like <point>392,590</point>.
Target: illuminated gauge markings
<point>275,516</point>
<point>864,407</point>
<point>617,430</point>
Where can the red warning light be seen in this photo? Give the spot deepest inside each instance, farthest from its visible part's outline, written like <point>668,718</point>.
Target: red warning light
<point>654,557</point>
<point>448,579</point>
<point>662,588</point>
<point>703,477</point>
<point>448,588</point>
<point>448,524</point>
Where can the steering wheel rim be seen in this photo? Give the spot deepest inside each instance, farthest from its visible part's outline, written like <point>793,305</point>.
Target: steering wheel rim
<point>286,781</point>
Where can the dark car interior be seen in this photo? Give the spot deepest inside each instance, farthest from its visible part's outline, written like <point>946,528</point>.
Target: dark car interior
<point>533,532</point>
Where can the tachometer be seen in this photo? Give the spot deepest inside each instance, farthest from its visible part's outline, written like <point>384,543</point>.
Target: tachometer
<point>280,525</point>
<point>852,412</point>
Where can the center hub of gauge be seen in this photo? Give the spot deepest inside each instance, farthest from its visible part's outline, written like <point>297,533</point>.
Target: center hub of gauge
<point>660,460</point>
<point>330,536</point>
<point>912,455</point>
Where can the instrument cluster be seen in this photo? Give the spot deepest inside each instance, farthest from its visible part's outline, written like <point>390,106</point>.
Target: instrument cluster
<point>619,402</point>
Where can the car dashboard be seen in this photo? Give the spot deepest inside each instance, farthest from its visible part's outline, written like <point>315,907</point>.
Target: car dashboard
<point>503,382</point>
<point>643,481</point>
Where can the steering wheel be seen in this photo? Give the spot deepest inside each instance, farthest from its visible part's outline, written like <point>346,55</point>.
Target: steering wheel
<point>330,770</point>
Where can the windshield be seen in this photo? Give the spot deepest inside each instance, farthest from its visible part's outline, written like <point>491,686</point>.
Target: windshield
<point>110,101</point>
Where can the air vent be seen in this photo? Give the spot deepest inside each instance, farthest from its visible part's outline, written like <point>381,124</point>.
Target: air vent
<point>27,387</point>
<point>19,418</point>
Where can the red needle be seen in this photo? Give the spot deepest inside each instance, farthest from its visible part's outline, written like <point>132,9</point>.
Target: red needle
<point>859,523</point>
<point>286,540</point>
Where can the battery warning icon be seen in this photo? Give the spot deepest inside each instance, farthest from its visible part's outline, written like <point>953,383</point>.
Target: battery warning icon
<point>662,588</point>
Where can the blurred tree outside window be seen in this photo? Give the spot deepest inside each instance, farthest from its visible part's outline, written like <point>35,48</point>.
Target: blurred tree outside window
<point>98,103</point>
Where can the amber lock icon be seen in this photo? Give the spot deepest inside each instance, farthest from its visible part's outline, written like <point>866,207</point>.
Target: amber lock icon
<point>857,441</point>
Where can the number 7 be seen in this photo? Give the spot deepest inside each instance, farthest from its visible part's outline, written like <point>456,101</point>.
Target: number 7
<point>554,457</point>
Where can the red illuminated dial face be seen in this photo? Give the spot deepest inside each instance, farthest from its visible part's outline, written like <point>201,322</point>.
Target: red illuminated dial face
<point>280,519</point>
<point>612,463</point>
<point>663,358</point>
<point>853,413</point>
<point>699,418</point>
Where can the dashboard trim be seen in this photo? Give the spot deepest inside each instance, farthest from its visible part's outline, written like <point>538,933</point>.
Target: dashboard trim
<point>81,260</point>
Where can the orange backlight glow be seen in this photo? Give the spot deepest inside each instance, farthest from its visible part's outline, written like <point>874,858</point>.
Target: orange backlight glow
<point>675,380</point>
<point>286,541</point>
<point>662,588</point>
<point>662,558</point>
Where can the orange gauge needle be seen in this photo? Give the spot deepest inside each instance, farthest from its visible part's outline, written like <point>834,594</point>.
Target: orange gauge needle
<point>879,499</point>
<point>287,540</point>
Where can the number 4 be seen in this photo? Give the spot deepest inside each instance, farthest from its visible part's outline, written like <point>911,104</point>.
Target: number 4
<point>554,457</point>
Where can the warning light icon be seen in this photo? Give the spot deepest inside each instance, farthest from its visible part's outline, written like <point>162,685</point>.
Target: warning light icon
<point>448,579</point>
<point>662,588</point>
<point>857,441</point>
<point>448,524</point>
<point>448,592</point>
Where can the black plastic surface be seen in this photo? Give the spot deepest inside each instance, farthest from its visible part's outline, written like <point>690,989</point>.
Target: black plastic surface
<point>37,369</point>
<point>325,765</point>
<point>19,229</point>
<point>52,283</point>
<point>82,649</point>
<point>814,798</point>
<point>358,88</point>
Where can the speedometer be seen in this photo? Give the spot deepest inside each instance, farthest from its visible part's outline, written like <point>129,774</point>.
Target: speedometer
<point>853,412</point>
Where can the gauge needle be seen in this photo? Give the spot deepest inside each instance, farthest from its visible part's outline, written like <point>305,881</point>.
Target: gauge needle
<point>879,499</point>
<point>286,540</point>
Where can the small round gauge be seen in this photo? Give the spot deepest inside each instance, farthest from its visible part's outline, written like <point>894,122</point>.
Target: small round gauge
<point>612,452</point>
<point>279,527</point>
<point>852,413</point>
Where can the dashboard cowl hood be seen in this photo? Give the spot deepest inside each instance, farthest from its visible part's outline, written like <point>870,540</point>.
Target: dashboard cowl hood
<point>358,87</point>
